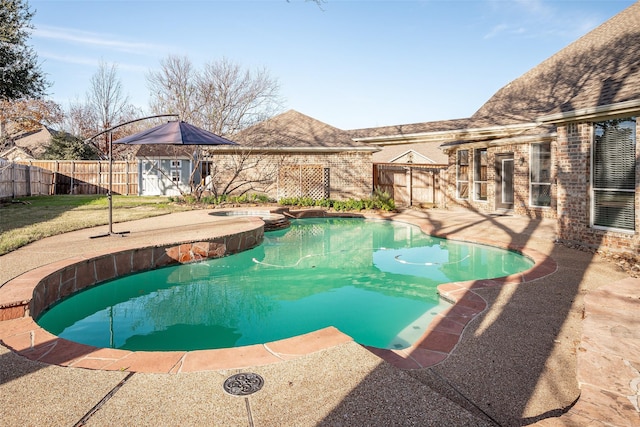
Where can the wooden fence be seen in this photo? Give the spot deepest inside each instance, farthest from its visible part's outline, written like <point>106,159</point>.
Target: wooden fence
<point>411,184</point>
<point>21,180</point>
<point>90,176</point>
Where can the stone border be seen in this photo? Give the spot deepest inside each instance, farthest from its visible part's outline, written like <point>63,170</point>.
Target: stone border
<point>33,292</point>
<point>442,335</point>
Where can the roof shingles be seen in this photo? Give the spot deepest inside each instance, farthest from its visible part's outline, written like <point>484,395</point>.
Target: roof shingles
<point>294,129</point>
<point>600,68</point>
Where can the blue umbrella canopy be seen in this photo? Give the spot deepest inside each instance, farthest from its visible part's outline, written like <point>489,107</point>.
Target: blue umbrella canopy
<point>175,133</point>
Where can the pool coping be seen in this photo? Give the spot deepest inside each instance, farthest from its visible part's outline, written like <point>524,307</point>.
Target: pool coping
<point>35,290</point>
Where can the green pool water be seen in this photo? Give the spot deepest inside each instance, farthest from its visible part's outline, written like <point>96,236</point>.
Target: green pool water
<point>373,280</point>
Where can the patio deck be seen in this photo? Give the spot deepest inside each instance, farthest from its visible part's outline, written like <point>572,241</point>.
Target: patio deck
<point>515,364</point>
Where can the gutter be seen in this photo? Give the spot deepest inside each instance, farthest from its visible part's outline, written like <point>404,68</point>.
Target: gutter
<point>451,135</point>
<point>295,149</point>
<point>521,139</point>
<point>620,108</point>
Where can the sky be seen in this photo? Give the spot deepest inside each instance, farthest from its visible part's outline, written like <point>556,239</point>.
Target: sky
<point>351,64</point>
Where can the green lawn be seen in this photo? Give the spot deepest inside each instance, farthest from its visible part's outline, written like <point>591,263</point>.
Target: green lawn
<point>28,219</point>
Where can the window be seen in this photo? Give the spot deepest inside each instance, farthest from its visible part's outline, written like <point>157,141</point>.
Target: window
<point>462,174</point>
<point>614,174</point>
<point>540,175</point>
<point>176,166</point>
<point>480,173</point>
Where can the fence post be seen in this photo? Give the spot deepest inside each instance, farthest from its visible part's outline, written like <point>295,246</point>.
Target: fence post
<point>13,180</point>
<point>410,186</point>
<point>55,178</point>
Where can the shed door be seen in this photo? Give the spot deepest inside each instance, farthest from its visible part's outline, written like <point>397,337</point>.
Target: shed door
<point>150,179</point>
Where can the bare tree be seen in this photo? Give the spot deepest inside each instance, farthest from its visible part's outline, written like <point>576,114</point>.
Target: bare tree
<point>173,88</point>
<point>221,98</point>
<point>81,120</point>
<point>231,99</point>
<point>238,171</point>
<point>25,115</point>
<point>105,97</point>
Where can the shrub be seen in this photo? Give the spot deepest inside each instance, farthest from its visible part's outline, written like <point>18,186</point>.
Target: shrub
<point>383,200</point>
<point>380,200</point>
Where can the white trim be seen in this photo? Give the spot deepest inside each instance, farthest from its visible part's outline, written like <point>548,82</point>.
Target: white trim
<point>469,166</point>
<point>224,149</point>
<point>449,135</point>
<point>502,186</point>
<point>473,173</point>
<point>625,108</point>
<point>592,190</point>
<point>531,183</point>
<point>429,161</point>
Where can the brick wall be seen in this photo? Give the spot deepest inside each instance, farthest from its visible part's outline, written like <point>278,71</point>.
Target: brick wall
<point>351,173</point>
<point>521,160</point>
<point>574,204</point>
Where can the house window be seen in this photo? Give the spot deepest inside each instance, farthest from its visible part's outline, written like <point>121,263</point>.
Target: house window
<point>462,174</point>
<point>480,174</point>
<point>175,176</point>
<point>614,174</point>
<point>176,164</point>
<point>540,175</point>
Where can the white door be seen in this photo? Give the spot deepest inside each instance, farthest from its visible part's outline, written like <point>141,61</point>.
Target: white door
<point>150,178</point>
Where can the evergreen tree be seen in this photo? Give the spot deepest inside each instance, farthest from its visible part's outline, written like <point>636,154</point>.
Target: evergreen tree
<point>65,146</point>
<point>20,73</point>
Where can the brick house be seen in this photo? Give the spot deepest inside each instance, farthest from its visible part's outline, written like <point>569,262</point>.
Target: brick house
<point>288,155</point>
<point>558,142</point>
<point>308,158</point>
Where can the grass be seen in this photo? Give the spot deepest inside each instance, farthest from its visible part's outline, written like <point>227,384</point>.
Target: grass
<point>29,219</point>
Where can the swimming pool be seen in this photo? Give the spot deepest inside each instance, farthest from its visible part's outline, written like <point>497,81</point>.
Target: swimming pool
<point>374,280</point>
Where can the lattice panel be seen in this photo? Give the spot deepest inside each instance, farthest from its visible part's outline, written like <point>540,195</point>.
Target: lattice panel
<point>302,181</point>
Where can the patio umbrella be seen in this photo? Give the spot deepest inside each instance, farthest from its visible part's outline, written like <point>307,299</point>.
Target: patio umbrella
<point>170,133</point>
<point>175,133</point>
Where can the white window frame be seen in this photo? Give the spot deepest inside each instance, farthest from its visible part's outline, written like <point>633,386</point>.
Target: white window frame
<point>458,180</point>
<point>476,183</point>
<point>593,189</point>
<point>532,182</point>
<point>176,164</point>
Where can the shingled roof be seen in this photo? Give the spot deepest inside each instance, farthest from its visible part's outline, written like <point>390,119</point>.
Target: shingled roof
<point>410,129</point>
<point>600,68</point>
<point>294,130</point>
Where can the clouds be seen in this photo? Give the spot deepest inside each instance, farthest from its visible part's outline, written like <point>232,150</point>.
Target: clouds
<point>356,64</point>
<point>540,19</point>
<point>504,29</point>
<point>94,40</point>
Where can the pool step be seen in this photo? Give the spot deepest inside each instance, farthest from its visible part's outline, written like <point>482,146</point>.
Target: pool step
<point>271,224</point>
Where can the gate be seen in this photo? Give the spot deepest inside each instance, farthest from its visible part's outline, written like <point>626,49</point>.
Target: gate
<point>410,184</point>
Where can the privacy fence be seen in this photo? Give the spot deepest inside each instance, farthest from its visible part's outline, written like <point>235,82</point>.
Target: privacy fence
<point>411,184</point>
<point>78,176</point>
<point>22,180</point>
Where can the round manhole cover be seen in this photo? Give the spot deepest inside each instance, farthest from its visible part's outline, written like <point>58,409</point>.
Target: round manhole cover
<point>243,384</point>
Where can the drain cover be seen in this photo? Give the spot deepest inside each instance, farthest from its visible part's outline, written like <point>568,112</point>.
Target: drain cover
<point>243,384</point>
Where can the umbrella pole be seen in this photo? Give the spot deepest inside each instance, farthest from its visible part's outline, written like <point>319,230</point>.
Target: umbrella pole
<point>110,195</point>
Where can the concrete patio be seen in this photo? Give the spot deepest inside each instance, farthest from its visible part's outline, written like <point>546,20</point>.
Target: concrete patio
<point>539,347</point>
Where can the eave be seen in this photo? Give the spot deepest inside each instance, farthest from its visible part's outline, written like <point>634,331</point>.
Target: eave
<point>619,109</point>
<point>224,149</point>
<point>496,142</point>
<point>470,134</point>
